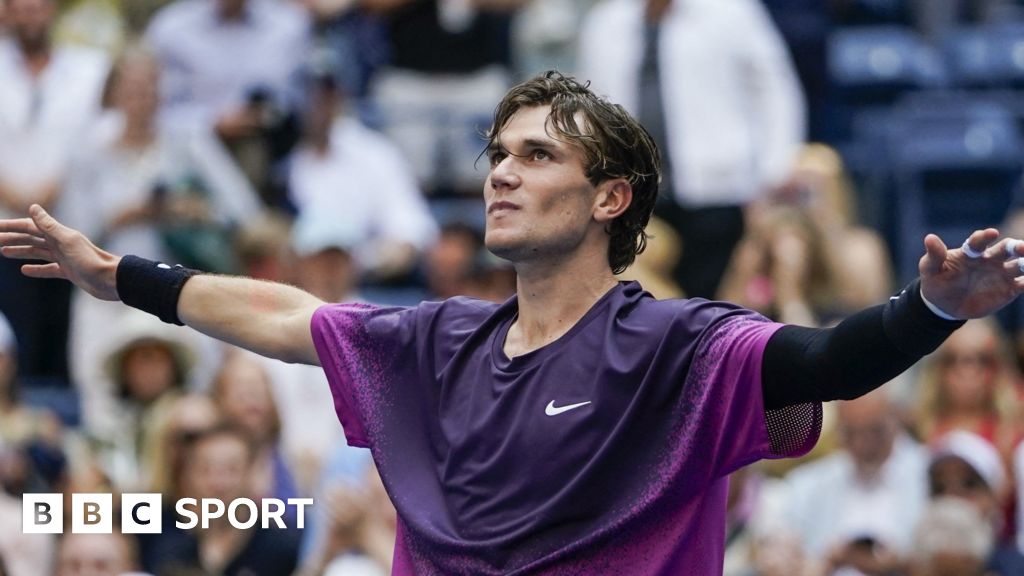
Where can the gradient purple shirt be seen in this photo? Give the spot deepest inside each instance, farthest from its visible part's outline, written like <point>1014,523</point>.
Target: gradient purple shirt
<point>486,482</point>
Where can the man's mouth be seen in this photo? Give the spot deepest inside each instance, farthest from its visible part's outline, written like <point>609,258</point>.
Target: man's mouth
<point>503,205</point>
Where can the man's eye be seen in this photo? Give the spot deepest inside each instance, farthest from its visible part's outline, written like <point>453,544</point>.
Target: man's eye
<point>496,158</point>
<point>541,155</point>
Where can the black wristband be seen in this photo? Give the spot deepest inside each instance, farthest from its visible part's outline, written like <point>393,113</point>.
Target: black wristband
<point>911,326</point>
<point>152,287</point>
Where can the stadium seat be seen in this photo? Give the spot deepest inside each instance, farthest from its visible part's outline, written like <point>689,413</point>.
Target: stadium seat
<point>955,170</point>
<point>986,56</point>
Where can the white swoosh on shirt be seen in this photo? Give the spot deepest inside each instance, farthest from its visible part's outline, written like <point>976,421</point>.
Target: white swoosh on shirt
<point>552,410</point>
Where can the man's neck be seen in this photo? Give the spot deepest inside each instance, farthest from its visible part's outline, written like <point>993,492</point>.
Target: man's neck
<point>36,57</point>
<point>552,298</point>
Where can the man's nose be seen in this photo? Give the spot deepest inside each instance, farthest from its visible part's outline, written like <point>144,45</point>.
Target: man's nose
<point>505,174</point>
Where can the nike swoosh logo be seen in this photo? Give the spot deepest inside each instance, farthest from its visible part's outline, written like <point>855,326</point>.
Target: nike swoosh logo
<point>552,410</point>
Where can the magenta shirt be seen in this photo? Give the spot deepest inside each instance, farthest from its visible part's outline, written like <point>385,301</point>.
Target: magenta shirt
<point>604,452</point>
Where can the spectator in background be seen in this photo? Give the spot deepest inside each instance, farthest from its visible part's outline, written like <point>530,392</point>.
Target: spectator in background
<point>654,267</point>
<point>357,535</point>
<point>863,502</point>
<point>218,463</point>
<point>355,40</point>
<point>148,366</point>
<point>243,395</point>
<point>230,65</point>
<point>970,384</point>
<point>138,185</point>
<point>20,424</point>
<point>782,269</point>
<point>450,61</point>
<point>188,416</point>
<point>714,85</point>
<point>96,554</point>
<point>952,539</point>
<point>263,247</point>
<point>135,185</point>
<point>966,466</point>
<point>450,260</point>
<point>50,93</point>
<point>361,180</point>
<point>820,187</point>
<point>324,265</point>
<point>21,554</point>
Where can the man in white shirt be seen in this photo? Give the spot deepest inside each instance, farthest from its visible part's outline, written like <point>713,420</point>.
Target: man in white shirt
<point>229,66</point>
<point>869,494</point>
<point>713,83</point>
<point>360,178</point>
<point>50,95</point>
<point>216,54</point>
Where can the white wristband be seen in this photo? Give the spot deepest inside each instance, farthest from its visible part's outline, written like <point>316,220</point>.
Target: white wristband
<point>936,310</point>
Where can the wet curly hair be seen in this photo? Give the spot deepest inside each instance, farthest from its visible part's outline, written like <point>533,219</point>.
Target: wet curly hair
<point>613,143</point>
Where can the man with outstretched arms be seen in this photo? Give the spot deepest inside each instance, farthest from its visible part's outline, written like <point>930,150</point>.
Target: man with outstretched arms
<point>581,427</point>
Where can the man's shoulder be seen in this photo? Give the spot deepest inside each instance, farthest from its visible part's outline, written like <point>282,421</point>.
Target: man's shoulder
<point>459,311</point>
<point>694,313</point>
<point>183,16</point>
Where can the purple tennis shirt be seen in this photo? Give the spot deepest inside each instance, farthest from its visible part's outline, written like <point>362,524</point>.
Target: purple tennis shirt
<point>604,452</point>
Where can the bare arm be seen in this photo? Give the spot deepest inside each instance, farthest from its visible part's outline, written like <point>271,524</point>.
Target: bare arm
<point>267,318</point>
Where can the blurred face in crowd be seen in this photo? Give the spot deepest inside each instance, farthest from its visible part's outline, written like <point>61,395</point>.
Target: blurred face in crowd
<point>969,365</point>
<point>322,103</point>
<point>231,8</point>
<point>29,22</point>
<point>867,429</point>
<point>93,555</point>
<point>148,370</point>
<point>135,91</point>
<point>218,466</point>
<point>329,274</point>
<point>951,476</point>
<point>245,398</point>
<point>539,201</point>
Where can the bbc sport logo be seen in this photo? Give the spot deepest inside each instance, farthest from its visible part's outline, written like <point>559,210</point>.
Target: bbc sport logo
<point>143,513</point>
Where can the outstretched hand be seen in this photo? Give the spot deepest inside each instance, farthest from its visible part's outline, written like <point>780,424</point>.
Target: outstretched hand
<point>67,253</point>
<point>975,280</point>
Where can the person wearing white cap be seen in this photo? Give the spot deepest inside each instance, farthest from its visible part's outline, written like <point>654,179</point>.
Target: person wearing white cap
<point>966,466</point>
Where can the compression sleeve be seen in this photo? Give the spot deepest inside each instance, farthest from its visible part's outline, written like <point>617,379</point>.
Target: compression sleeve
<point>858,355</point>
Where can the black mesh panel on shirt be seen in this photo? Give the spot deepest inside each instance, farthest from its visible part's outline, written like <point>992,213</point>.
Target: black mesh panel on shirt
<point>794,430</point>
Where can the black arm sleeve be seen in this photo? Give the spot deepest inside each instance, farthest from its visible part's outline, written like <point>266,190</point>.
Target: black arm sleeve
<point>860,354</point>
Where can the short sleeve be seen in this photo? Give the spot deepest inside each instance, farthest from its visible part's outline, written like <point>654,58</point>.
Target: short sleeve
<point>725,383</point>
<point>363,350</point>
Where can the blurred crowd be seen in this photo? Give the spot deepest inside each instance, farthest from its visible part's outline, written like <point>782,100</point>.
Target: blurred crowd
<point>334,145</point>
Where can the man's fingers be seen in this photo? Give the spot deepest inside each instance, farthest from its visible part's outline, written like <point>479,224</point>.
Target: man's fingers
<point>1004,249</point>
<point>935,254</point>
<point>27,253</point>
<point>21,239</point>
<point>47,224</point>
<point>51,270</point>
<point>979,241</point>
<point>20,226</point>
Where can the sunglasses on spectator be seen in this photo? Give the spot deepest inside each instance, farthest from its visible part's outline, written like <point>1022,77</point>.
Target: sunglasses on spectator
<point>959,486</point>
<point>986,360</point>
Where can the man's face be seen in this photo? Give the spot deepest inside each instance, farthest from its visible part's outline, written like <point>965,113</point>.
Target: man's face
<point>867,430</point>
<point>93,555</point>
<point>29,20</point>
<point>951,476</point>
<point>218,467</point>
<point>539,202</point>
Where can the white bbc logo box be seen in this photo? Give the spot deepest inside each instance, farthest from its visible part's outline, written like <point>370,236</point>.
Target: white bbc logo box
<point>91,513</point>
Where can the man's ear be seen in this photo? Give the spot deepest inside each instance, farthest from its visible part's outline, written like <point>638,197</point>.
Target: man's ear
<point>613,198</point>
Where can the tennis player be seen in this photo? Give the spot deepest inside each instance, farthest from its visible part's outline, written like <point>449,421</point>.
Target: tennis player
<point>582,427</point>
